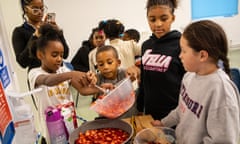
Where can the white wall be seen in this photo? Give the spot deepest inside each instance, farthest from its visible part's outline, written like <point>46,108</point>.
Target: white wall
<point>78,17</point>
<point>12,17</point>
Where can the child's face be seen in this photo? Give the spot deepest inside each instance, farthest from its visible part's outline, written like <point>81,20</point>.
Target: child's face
<point>190,58</point>
<point>98,39</point>
<point>52,56</point>
<point>160,19</point>
<point>107,64</point>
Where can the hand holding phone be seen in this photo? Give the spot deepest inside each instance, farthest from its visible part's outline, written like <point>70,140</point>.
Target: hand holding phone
<point>51,17</point>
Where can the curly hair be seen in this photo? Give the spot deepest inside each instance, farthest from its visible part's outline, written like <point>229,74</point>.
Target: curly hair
<point>112,28</point>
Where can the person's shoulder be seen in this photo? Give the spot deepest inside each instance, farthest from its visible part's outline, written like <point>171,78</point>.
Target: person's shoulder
<point>217,78</point>
<point>35,69</point>
<point>129,43</point>
<point>92,52</point>
<point>222,77</point>
<point>189,74</point>
<point>116,41</point>
<point>174,34</point>
<point>147,42</point>
<point>22,30</point>
<point>221,82</point>
<point>151,38</point>
<point>34,72</point>
<point>132,42</point>
<point>19,28</point>
<point>87,44</point>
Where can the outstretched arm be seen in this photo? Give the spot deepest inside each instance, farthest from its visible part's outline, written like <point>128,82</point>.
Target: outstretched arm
<point>54,79</point>
<point>86,85</point>
<point>79,81</point>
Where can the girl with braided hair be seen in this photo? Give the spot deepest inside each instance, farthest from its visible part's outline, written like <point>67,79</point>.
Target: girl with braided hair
<point>208,111</point>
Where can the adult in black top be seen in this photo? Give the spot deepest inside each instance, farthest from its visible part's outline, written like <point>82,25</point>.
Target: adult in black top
<point>23,36</point>
<point>80,61</point>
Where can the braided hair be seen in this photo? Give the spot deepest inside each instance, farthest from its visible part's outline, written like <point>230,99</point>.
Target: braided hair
<point>209,36</point>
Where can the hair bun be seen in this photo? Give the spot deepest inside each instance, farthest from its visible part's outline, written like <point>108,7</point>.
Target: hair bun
<point>48,29</point>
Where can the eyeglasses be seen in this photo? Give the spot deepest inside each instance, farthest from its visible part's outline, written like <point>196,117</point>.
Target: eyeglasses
<point>36,11</point>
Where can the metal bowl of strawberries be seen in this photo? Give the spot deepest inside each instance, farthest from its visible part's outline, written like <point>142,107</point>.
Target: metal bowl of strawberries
<point>112,131</point>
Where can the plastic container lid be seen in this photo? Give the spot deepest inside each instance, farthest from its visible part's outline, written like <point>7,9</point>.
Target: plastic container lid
<point>52,114</point>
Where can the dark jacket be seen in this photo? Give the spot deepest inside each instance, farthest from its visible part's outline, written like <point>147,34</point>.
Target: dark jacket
<point>161,75</point>
<point>80,61</point>
<point>22,41</point>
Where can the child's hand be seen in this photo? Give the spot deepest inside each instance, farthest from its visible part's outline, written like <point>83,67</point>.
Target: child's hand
<point>79,78</point>
<point>91,76</point>
<point>133,72</point>
<point>156,123</point>
<point>37,33</point>
<point>81,82</point>
<point>107,86</point>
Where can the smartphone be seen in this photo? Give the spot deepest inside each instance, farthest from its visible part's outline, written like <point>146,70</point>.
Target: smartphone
<point>51,17</point>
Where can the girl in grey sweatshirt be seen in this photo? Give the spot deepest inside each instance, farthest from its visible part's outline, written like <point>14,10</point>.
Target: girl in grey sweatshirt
<point>208,109</point>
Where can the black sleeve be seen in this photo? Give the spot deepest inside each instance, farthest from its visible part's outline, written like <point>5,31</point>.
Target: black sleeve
<point>20,48</point>
<point>140,96</point>
<point>80,60</point>
<point>32,47</point>
<point>65,45</point>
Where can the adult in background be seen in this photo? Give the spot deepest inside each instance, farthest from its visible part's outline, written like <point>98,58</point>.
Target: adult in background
<point>25,34</point>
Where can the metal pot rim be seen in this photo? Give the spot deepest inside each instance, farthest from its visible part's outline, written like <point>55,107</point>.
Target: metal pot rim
<point>102,123</point>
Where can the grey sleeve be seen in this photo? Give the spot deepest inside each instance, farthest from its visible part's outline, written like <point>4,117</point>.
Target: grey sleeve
<point>172,119</point>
